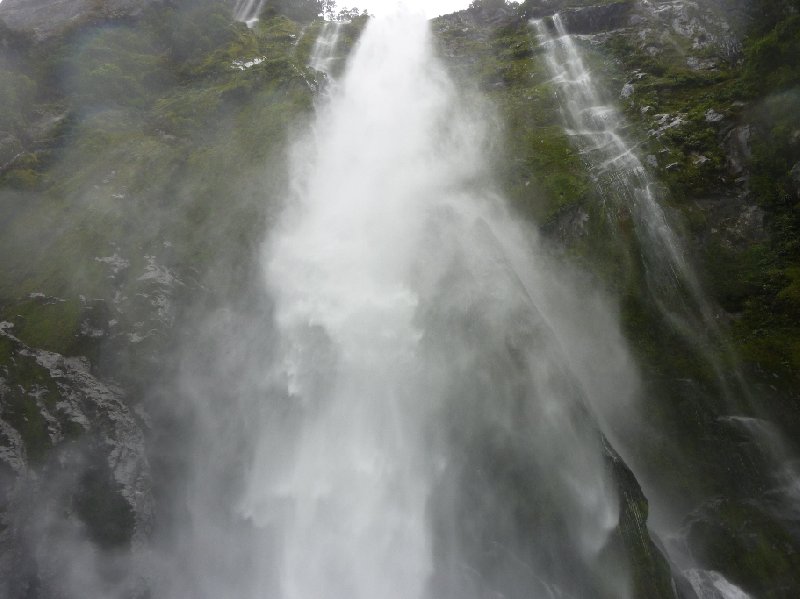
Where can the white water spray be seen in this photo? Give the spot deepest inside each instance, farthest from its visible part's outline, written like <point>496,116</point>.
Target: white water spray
<point>614,162</point>
<point>625,184</point>
<point>248,11</point>
<point>324,53</point>
<point>425,341</point>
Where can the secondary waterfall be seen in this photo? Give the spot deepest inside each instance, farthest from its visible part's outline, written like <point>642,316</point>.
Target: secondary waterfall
<point>248,11</point>
<point>624,183</point>
<point>323,54</point>
<point>436,437</point>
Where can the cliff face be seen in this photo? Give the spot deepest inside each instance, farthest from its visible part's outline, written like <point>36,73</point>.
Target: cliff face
<point>680,82</point>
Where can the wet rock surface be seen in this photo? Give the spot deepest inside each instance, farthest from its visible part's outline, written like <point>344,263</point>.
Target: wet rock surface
<point>71,440</point>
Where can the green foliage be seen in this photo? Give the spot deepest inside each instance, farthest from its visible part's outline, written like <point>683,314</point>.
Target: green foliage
<point>190,31</point>
<point>487,4</point>
<point>561,175</point>
<point>749,547</point>
<point>116,67</point>
<point>17,94</point>
<point>20,406</point>
<point>772,61</point>
<point>50,325</point>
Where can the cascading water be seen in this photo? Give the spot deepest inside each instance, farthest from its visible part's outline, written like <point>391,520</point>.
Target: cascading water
<point>614,162</point>
<point>248,11</point>
<point>323,55</point>
<point>435,438</point>
<point>625,184</point>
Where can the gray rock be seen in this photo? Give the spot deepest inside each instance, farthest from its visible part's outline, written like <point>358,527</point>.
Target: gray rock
<point>701,64</point>
<point>737,146</point>
<point>47,127</point>
<point>712,116</point>
<point>596,19</point>
<point>90,432</point>
<point>571,225</point>
<point>584,20</point>
<point>627,91</point>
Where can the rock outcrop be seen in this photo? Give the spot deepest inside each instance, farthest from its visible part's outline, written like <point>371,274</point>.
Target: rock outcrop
<point>71,441</point>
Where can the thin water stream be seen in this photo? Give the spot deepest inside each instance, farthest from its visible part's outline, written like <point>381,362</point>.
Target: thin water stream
<point>626,186</point>
<point>623,182</point>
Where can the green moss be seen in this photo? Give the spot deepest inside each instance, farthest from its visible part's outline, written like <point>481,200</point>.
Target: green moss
<point>20,411</point>
<point>749,547</point>
<point>51,326</point>
<point>771,60</point>
<point>29,385</point>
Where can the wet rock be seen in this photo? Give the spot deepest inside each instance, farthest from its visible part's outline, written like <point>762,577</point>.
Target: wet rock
<point>711,26</point>
<point>75,398</point>
<point>663,122</point>
<point>733,221</point>
<point>747,544</point>
<point>708,584</point>
<point>737,146</point>
<point>569,225</point>
<point>596,19</point>
<point>700,64</point>
<point>583,19</point>
<point>72,463</point>
<point>652,577</point>
<point>712,116</point>
<point>627,91</point>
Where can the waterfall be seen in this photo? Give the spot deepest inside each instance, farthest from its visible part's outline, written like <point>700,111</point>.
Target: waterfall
<point>624,184</point>
<point>323,55</point>
<point>248,11</point>
<point>596,128</point>
<point>435,437</point>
